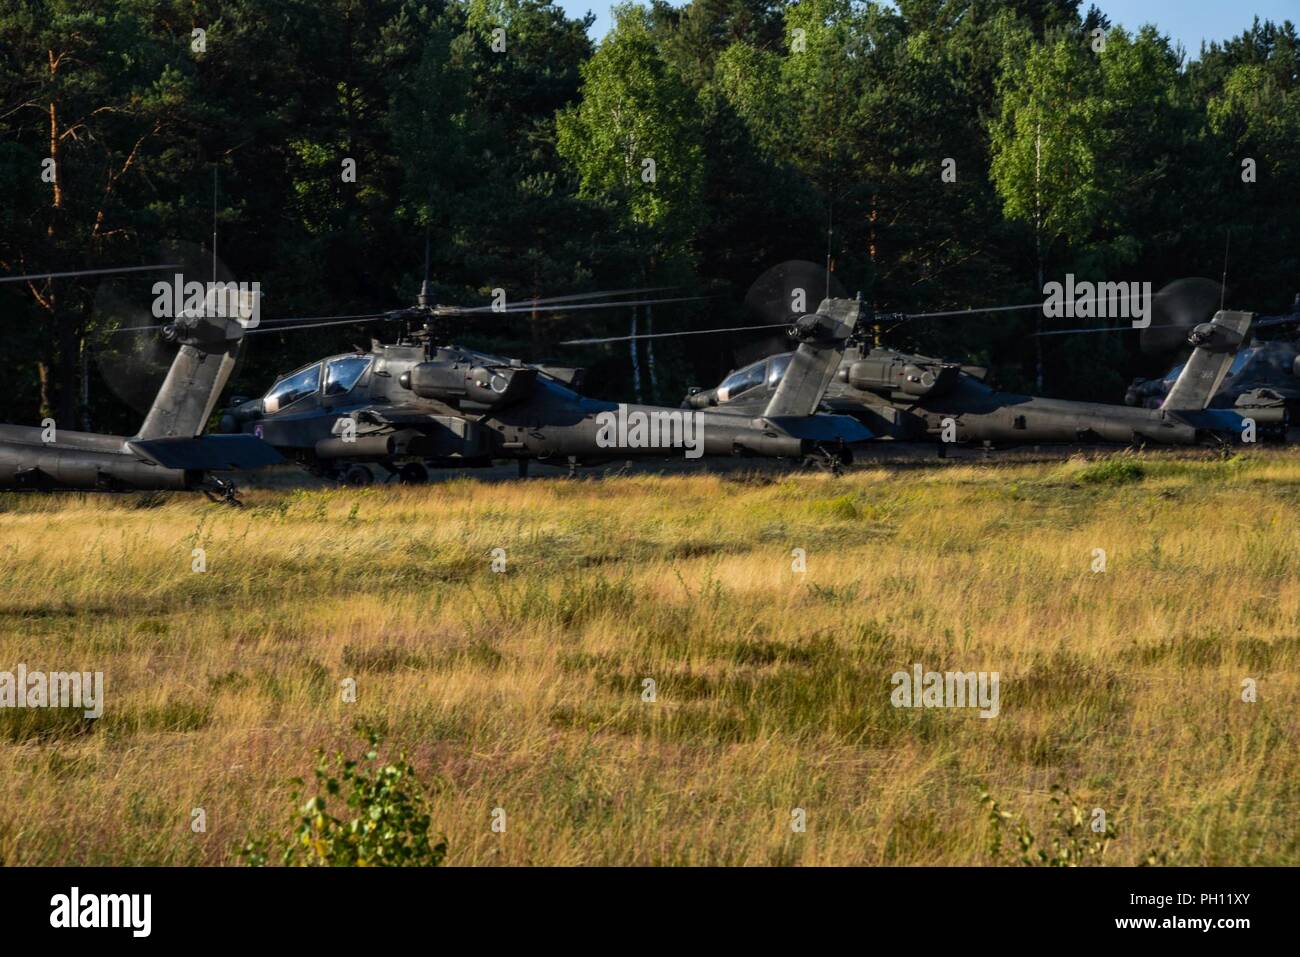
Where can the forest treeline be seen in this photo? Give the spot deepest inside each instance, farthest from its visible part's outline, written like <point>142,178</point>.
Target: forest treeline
<point>942,153</point>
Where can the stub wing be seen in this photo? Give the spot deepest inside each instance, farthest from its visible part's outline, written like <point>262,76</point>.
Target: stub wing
<point>822,428</point>
<point>208,453</point>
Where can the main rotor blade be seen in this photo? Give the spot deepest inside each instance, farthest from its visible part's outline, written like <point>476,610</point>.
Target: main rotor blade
<point>318,325</point>
<point>1031,305</point>
<point>299,322</point>
<point>296,319</point>
<point>576,297</point>
<point>971,312</point>
<point>87,272</point>
<point>508,310</point>
<point>1129,328</point>
<point>666,335</point>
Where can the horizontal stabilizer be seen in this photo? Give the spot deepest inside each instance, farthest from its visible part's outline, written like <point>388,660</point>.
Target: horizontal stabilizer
<point>208,453</point>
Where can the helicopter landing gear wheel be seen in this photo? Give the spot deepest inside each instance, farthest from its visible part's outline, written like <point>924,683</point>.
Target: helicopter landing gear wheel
<point>413,473</point>
<point>523,468</point>
<point>358,476</point>
<point>224,494</point>
<point>830,460</point>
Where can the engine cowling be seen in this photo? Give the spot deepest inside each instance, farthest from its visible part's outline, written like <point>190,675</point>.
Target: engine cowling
<point>468,385</point>
<point>895,374</point>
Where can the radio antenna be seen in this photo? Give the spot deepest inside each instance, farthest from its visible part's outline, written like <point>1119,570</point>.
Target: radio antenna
<point>1223,286</point>
<point>830,219</point>
<point>214,222</point>
<point>426,293</point>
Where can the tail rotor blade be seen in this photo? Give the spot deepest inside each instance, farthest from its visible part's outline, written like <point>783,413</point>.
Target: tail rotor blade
<point>130,355</point>
<point>1178,308</point>
<point>791,289</point>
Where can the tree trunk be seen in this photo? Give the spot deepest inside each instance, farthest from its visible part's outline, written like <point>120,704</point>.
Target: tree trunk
<point>83,394</point>
<point>43,366</point>
<point>636,363</point>
<point>54,366</point>
<point>68,371</point>
<point>1038,252</point>
<point>650,354</point>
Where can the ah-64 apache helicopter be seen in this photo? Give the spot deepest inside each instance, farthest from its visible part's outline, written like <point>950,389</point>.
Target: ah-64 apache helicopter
<point>918,398</point>
<point>1263,374</point>
<point>423,402</point>
<point>169,452</point>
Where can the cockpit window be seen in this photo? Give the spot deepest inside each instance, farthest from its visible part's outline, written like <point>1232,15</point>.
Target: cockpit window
<point>292,388</point>
<point>341,374</point>
<point>742,380</point>
<point>776,367</point>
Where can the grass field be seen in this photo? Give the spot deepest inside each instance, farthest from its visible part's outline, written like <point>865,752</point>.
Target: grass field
<point>523,690</point>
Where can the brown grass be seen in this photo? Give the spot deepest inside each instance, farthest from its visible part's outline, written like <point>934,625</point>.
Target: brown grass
<point>523,690</point>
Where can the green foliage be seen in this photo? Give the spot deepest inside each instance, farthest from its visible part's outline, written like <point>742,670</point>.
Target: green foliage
<point>1045,147</point>
<point>634,111</point>
<point>1116,470</point>
<point>1070,838</point>
<point>385,821</point>
<point>779,130</point>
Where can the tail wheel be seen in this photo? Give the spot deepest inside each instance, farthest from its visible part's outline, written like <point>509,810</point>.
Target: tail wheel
<point>358,476</point>
<point>413,473</point>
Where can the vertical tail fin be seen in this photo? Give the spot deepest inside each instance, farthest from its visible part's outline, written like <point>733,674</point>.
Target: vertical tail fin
<point>815,362</point>
<point>209,343</point>
<point>1216,345</point>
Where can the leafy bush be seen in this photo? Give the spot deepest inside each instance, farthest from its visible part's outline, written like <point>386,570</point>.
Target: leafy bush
<point>388,822</point>
<point>1072,839</point>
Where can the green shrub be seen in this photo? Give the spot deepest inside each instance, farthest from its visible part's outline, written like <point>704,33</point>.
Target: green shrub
<point>386,822</point>
<point>1116,471</point>
<point>1073,842</point>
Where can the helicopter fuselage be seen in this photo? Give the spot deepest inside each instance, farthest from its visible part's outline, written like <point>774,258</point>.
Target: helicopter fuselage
<point>405,407</point>
<point>917,398</point>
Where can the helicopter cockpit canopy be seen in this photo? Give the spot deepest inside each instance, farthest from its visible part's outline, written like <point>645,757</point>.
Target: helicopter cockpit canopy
<point>340,373</point>
<point>291,388</point>
<point>763,372</point>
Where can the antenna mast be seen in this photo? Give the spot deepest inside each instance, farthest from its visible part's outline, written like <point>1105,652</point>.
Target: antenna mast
<point>214,222</point>
<point>425,290</point>
<point>1223,286</point>
<point>830,219</point>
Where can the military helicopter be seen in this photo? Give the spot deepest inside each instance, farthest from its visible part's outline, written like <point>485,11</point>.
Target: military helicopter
<point>423,402</point>
<point>169,451</point>
<point>918,398</point>
<point>1264,374</point>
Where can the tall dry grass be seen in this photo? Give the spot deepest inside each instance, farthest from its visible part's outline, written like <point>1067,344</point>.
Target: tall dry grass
<point>524,690</point>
